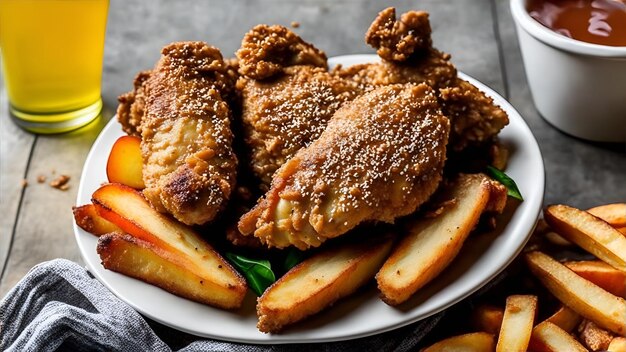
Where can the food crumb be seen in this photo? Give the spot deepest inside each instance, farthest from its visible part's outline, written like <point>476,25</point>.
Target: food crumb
<point>41,178</point>
<point>24,183</point>
<point>295,24</point>
<point>61,182</point>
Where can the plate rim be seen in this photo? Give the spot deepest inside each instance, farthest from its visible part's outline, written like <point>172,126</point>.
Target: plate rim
<point>534,205</point>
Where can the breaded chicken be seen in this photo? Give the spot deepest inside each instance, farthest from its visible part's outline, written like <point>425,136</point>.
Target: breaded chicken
<point>380,157</point>
<point>266,50</point>
<point>131,108</point>
<point>287,96</point>
<point>405,46</point>
<point>189,165</point>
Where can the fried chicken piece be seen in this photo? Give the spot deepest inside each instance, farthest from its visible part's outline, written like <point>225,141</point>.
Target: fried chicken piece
<point>408,57</point>
<point>398,40</point>
<point>380,157</point>
<point>283,115</point>
<point>266,50</point>
<point>475,117</point>
<point>287,111</point>
<point>189,165</point>
<point>131,109</point>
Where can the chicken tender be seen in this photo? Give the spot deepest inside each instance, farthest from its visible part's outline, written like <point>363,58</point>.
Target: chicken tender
<point>380,157</point>
<point>405,46</point>
<point>132,104</point>
<point>189,165</point>
<point>287,96</point>
<point>266,50</point>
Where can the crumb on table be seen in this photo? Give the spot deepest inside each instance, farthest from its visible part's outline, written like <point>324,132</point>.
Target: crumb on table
<point>61,182</point>
<point>295,24</point>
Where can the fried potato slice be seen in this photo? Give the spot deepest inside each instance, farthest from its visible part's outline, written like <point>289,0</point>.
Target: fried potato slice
<point>88,219</point>
<point>565,318</point>
<point>618,344</point>
<point>319,281</point>
<point>601,274</point>
<point>129,209</point>
<point>593,336</point>
<point>517,323</point>
<point>548,337</point>
<point>433,242</point>
<point>472,342</point>
<point>147,262</point>
<point>581,295</point>
<point>487,318</point>
<point>614,214</point>
<point>589,232</point>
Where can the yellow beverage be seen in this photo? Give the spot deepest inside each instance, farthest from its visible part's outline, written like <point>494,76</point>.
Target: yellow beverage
<point>52,54</point>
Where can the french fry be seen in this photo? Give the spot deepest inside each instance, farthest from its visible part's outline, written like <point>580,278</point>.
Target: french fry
<point>614,214</point>
<point>432,243</point>
<point>594,337</point>
<point>548,337</point>
<point>87,218</point>
<point>128,209</point>
<point>487,318</point>
<point>618,344</point>
<point>589,232</point>
<point>472,342</point>
<point>318,282</point>
<point>557,239</point>
<point>581,295</point>
<point>517,323</point>
<point>601,274</point>
<point>565,318</point>
<point>147,262</point>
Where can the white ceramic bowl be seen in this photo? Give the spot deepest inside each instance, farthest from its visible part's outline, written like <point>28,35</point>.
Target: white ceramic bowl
<point>579,88</point>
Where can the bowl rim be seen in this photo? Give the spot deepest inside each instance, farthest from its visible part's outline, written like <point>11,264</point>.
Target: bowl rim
<point>549,37</point>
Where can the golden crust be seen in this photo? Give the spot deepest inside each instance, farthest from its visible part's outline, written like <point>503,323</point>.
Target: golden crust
<point>398,40</point>
<point>266,50</point>
<point>189,165</point>
<point>283,115</point>
<point>380,157</point>
<point>131,109</point>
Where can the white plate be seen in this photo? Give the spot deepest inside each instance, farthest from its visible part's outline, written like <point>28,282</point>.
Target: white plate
<point>362,314</point>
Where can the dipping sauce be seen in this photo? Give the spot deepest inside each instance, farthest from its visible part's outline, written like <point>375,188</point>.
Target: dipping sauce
<point>593,21</point>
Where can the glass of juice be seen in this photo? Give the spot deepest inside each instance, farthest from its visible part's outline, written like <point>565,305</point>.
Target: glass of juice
<point>52,53</point>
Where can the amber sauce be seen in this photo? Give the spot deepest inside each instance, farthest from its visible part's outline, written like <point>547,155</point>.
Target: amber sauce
<point>593,21</point>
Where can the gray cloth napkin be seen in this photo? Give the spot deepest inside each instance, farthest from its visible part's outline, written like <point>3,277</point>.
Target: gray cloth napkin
<point>58,305</point>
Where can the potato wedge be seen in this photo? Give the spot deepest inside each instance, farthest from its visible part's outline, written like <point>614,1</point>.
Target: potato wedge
<point>565,318</point>
<point>548,337</point>
<point>601,274</point>
<point>618,344</point>
<point>517,323</point>
<point>319,281</point>
<point>614,214</point>
<point>88,219</point>
<point>622,230</point>
<point>594,337</point>
<point>581,295</point>
<point>472,342</point>
<point>128,209</point>
<point>487,318</point>
<point>433,242</point>
<point>147,262</point>
<point>589,232</point>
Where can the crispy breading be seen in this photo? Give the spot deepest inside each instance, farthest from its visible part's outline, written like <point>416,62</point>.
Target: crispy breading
<point>406,48</point>
<point>287,96</point>
<point>397,40</point>
<point>283,115</point>
<point>380,157</point>
<point>189,165</point>
<point>131,109</point>
<point>266,50</point>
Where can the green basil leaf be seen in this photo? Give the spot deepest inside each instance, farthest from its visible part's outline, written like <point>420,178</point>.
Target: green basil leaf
<point>257,272</point>
<point>512,190</point>
<point>293,258</point>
